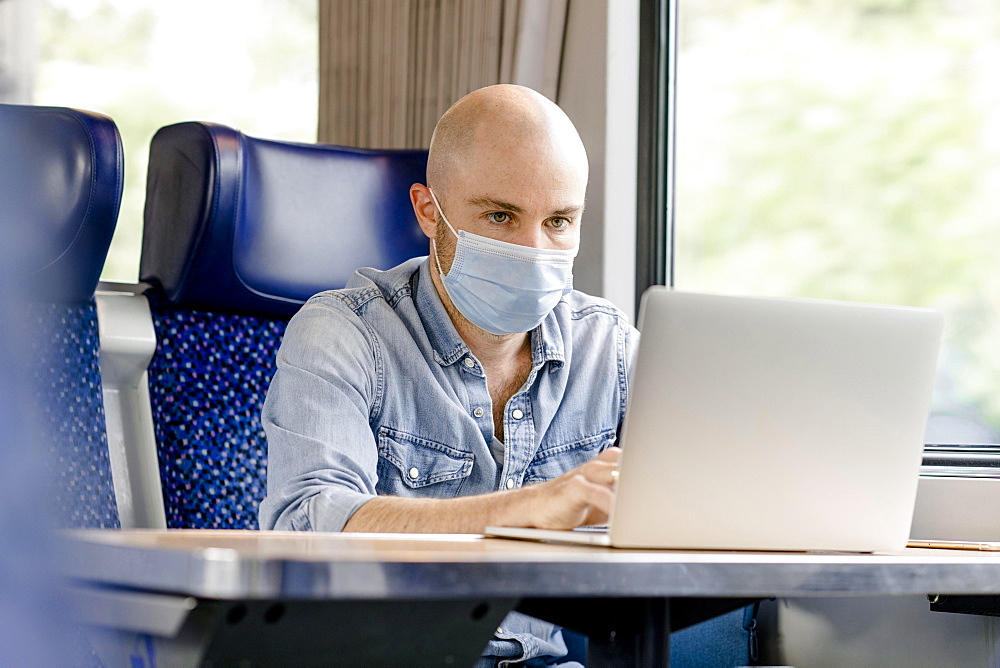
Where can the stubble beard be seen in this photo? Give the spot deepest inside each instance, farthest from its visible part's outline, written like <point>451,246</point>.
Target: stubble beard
<point>444,246</point>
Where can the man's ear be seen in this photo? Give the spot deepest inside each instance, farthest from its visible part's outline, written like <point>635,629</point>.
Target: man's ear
<point>424,209</point>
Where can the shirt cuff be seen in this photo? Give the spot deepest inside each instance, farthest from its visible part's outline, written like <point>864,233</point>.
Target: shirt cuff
<point>328,511</point>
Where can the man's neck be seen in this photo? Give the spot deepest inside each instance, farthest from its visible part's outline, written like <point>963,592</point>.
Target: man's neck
<point>491,350</point>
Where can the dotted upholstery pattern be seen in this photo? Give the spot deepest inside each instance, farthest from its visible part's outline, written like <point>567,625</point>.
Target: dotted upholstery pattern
<point>207,384</point>
<point>67,381</point>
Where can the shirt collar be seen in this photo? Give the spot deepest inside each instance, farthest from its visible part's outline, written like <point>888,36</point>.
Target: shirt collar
<point>449,347</point>
<point>547,342</point>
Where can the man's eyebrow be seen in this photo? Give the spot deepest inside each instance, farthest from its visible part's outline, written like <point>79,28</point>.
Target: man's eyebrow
<point>568,211</point>
<point>490,203</point>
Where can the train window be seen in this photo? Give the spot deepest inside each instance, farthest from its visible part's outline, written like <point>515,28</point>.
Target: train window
<point>147,63</point>
<point>849,150</point>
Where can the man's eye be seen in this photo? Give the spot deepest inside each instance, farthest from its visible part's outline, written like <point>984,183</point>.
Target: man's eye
<point>559,223</point>
<point>499,217</point>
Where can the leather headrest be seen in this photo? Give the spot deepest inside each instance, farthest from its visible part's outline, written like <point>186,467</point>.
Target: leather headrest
<point>236,223</point>
<point>60,190</point>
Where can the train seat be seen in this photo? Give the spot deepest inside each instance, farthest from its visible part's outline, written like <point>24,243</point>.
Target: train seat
<point>60,189</point>
<point>238,233</point>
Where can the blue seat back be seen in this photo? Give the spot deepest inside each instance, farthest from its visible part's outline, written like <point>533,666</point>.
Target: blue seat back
<point>239,232</point>
<point>60,191</point>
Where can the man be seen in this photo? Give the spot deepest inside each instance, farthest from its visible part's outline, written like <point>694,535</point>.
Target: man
<point>470,388</point>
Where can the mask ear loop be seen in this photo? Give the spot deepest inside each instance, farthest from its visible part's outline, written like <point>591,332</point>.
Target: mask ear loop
<point>437,260</point>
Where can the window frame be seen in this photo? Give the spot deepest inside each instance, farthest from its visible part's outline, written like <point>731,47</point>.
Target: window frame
<point>656,148</point>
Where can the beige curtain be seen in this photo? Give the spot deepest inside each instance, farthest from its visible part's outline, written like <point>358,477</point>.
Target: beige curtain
<point>390,68</point>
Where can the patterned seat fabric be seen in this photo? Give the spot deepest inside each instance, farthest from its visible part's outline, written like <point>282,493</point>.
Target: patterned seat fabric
<point>238,233</point>
<point>207,385</point>
<point>64,350</point>
<point>60,188</point>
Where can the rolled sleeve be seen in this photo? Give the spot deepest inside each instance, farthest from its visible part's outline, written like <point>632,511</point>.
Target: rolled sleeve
<point>322,456</point>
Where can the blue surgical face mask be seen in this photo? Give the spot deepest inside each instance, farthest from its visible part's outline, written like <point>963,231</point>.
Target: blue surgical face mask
<point>501,287</point>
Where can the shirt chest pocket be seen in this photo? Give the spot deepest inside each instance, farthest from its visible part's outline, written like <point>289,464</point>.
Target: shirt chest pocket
<point>555,460</point>
<point>409,465</point>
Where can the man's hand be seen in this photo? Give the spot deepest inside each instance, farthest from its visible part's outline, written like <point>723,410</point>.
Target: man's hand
<point>577,497</point>
<point>580,496</point>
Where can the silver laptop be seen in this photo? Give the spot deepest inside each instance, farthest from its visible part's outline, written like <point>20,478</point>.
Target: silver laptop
<point>770,424</point>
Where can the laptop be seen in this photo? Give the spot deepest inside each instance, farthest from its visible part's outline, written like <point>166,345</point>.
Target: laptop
<point>770,424</point>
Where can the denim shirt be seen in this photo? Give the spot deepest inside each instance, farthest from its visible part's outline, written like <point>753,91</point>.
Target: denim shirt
<point>376,393</point>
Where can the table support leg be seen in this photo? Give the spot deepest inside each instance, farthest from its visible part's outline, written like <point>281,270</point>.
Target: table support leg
<point>641,639</point>
<point>620,631</point>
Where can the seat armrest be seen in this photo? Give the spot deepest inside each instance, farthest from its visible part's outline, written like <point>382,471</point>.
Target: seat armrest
<point>127,346</point>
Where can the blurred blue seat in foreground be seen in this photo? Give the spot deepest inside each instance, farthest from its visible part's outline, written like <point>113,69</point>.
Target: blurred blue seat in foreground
<point>60,190</point>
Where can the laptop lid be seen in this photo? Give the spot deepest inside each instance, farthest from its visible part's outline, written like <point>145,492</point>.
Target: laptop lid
<point>774,424</point>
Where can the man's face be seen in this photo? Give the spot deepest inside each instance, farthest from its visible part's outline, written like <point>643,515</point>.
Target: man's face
<point>529,195</point>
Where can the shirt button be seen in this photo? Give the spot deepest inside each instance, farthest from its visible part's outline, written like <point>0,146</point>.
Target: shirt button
<point>478,412</point>
<point>510,483</point>
<point>517,414</point>
<point>413,473</point>
<point>469,362</point>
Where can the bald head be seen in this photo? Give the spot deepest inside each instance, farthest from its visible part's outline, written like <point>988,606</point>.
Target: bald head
<point>505,163</point>
<point>503,127</point>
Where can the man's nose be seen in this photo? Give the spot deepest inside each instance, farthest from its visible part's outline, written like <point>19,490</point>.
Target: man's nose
<point>533,235</point>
